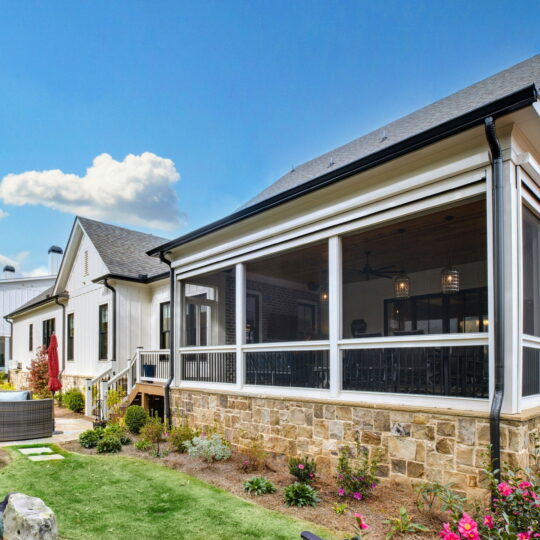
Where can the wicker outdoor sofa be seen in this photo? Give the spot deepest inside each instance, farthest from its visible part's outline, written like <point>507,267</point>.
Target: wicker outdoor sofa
<point>22,417</point>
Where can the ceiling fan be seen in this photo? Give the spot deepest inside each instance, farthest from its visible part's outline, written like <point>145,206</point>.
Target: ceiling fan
<point>383,272</point>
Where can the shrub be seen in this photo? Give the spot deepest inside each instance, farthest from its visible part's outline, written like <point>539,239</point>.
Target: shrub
<point>118,431</point>
<point>153,431</point>
<point>340,509</point>
<point>515,511</point>
<point>136,417</point>
<point>180,435</point>
<point>258,485</point>
<point>38,378</point>
<point>209,449</point>
<point>6,385</point>
<point>109,444</point>
<point>74,400</point>
<point>255,454</point>
<point>403,524</point>
<point>143,445</point>
<point>90,438</point>
<point>303,468</point>
<point>356,478</point>
<point>431,492</point>
<point>114,399</point>
<point>300,494</point>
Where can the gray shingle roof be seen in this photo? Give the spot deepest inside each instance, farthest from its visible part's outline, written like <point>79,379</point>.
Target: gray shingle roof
<point>40,298</point>
<point>486,91</point>
<point>124,251</point>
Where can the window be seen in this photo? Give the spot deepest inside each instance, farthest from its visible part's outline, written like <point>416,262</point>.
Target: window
<point>48,331</point>
<point>531,271</point>
<point>30,337</point>
<point>418,249</point>
<point>104,332</point>
<point>3,351</point>
<point>165,325</point>
<point>293,289</point>
<point>70,335</point>
<point>209,309</point>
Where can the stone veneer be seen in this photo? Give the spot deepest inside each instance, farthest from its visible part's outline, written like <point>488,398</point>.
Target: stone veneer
<point>416,444</point>
<point>19,379</point>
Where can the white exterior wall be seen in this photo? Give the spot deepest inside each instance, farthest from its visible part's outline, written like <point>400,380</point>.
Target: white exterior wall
<point>13,294</point>
<point>160,293</point>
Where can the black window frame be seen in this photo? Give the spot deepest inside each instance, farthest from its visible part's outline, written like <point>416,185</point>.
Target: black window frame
<point>31,337</point>
<point>49,328</point>
<point>103,346</point>
<point>164,334</point>
<point>70,330</point>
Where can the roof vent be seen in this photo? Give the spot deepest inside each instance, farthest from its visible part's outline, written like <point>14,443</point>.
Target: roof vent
<point>56,249</point>
<point>9,272</point>
<point>143,276</point>
<point>331,163</point>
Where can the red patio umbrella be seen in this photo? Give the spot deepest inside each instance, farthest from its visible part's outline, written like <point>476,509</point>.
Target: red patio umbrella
<point>52,351</point>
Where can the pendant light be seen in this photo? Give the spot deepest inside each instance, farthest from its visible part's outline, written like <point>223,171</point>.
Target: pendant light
<point>402,283</point>
<point>450,276</point>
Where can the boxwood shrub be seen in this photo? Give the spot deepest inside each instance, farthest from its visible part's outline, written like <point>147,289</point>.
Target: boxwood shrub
<point>136,417</point>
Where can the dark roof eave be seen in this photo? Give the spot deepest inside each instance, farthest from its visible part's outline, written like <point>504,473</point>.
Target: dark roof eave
<point>505,105</point>
<point>42,302</point>
<point>120,277</point>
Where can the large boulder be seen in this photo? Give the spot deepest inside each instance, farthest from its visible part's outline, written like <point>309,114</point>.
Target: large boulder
<point>28,518</point>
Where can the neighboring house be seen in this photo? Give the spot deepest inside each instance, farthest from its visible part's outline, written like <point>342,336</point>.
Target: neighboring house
<point>16,290</point>
<point>386,292</point>
<point>109,299</point>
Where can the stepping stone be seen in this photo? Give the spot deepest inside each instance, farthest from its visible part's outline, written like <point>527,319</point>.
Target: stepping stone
<point>40,450</point>
<point>49,457</point>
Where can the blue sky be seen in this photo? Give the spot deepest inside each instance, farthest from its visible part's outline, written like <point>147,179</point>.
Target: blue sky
<point>225,95</point>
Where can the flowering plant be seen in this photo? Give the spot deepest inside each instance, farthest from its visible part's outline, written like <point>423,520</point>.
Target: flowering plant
<point>515,510</point>
<point>357,479</point>
<point>303,468</point>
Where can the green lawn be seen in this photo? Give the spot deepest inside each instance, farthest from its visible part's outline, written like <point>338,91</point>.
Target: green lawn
<point>125,498</point>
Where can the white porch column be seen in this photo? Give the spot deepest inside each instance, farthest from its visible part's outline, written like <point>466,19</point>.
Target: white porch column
<point>240,322</point>
<point>334,311</point>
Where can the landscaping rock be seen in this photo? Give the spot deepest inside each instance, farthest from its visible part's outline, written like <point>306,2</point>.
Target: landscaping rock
<point>28,518</point>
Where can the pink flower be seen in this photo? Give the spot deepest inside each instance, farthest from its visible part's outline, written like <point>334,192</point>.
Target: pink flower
<point>373,485</point>
<point>341,492</point>
<point>488,521</point>
<point>357,496</point>
<point>504,489</point>
<point>524,535</point>
<point>468,527</point>
<point>525,485</point>
<point>301,467</point>
<point>447,533</point>
<point>360,521</point>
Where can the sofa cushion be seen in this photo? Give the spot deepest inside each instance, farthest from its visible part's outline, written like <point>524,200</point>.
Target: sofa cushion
<point>14,395</point>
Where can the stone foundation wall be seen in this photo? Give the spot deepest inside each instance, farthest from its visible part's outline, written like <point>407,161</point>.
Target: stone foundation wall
<point>415,444</point>
<point>19,379</point>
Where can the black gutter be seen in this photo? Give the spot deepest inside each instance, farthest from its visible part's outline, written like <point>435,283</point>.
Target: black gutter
<point>167,387</point>
<point>143,279</point>
<point>63,306</point>
<point>33,306</point>
<point>510,103</point>
<point>111,288</point>
<point>10,338</point>
<point>498,294</point>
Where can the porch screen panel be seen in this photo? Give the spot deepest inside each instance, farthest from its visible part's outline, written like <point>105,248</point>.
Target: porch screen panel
<point>300,369</point>
<point>419,250</point>
<point>287,296</point>
<point>441,371</point>
<point>531,371</point>
<point>217,367</point>
<point>531,273</point>
<point>209,307</point>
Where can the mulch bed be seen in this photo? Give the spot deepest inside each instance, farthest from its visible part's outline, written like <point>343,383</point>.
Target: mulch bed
<point>228,475</point>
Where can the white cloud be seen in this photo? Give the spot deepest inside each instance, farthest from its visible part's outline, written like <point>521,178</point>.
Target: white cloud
<point>3,214</point>
<point>136,191</point>
<point>37,272</point>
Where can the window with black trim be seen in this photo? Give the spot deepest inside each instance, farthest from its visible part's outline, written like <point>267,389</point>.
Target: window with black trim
<point>165,325</point>
<point>48,330</point>
<point>30,337</point>
<point>70,335</point>
<point>104,332</point>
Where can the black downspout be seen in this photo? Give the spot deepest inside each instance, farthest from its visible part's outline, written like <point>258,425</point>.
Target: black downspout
<point>167,387</point>
<point>111,288</point>
<point>63,366</point>
<point>498,294</point>
<point>10,340</point>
